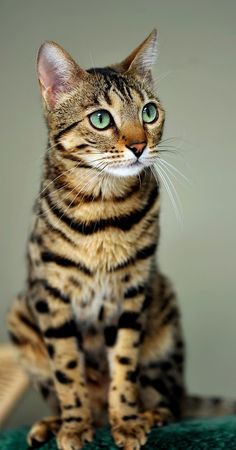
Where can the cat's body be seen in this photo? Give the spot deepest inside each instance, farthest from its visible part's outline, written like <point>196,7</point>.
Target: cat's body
<point>98,325</point>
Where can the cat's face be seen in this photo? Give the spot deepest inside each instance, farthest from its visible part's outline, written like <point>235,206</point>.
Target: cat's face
<point>109,119</point>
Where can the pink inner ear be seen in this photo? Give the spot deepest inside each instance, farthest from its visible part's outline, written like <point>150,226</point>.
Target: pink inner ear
<point>52,68</point>
<point>56,71</point>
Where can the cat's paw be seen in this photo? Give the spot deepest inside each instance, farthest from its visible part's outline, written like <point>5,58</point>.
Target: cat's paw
<point>158,417</point>
<point>130,432</point>
<point>42,430</point>
<point>74,438</point>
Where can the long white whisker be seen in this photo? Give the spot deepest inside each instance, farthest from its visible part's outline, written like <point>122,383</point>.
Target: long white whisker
<point>155,174</point>
<point>52,146</point>
<point>61,174</point>
<point>171,185</point>
<point>166,163</point>
<point>164,177</point>
<point>179,180</point>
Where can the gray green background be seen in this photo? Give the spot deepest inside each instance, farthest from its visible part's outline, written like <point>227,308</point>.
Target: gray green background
<point>196,68</point>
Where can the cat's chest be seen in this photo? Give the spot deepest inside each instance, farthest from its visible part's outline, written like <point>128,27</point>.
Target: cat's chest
<point>99,302</point>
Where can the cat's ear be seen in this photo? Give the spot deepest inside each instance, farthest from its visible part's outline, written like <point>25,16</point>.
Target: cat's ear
<point>57,72</point>
<point>141,60</point>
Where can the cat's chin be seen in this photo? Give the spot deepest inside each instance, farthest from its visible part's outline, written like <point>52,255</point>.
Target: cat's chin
<point>125,171</point>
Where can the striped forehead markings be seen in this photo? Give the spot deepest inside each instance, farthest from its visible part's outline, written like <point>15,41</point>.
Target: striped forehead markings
<point>114,80</point>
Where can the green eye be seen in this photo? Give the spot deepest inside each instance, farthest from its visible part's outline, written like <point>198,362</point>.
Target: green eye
<point>101,119</point>
<point>149,113</point>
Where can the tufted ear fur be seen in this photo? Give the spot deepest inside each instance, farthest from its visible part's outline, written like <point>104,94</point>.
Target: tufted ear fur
<point>141,60</point>
<point>57,72</point>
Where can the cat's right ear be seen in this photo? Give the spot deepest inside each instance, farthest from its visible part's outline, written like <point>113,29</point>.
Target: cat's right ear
<point>58,73</point>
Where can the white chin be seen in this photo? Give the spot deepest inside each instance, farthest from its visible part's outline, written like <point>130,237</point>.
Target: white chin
<point>125,171</point>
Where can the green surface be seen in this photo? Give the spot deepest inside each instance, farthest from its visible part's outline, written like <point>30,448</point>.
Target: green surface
<point>192,435</point>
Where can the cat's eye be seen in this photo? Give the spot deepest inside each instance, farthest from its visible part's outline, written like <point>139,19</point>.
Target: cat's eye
<point>101,119</point>
<point>150,113</point>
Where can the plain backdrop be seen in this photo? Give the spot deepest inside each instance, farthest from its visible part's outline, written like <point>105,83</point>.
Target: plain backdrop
<point>196,81</point>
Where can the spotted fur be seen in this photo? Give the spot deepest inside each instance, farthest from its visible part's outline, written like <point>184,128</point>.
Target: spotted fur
<point>98,326</point>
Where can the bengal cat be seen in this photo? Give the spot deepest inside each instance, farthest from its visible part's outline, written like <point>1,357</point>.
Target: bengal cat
<point>97,326</point>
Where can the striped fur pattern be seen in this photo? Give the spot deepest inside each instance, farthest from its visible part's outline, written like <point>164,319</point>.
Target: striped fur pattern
<point>97,326</point>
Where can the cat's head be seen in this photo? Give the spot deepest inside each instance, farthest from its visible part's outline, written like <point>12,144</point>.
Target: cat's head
<point>110,118</point>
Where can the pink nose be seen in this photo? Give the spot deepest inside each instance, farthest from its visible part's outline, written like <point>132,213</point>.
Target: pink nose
<point>137,148</point>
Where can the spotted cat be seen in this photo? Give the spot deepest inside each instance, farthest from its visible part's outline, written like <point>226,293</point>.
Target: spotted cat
<point>97,327</point>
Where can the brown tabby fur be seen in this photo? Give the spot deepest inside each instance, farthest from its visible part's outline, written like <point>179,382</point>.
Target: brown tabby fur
<point>97,327</point>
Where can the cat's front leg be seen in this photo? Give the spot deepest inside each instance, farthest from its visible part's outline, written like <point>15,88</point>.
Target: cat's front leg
<point>129,428</point>
<point>64,344</point>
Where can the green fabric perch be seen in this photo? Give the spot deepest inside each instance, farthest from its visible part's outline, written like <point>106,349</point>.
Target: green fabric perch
<point>215,434</point>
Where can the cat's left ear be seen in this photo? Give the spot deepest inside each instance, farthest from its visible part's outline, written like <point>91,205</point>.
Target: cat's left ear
<point>141,60</point>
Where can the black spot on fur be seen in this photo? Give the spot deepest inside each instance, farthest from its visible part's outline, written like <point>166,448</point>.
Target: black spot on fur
<point>110,334</point>
<point>78,401</point>
<point>129,319</point>
<point>42,307</point>
<point>124,360</point>
<point>45,392</point>
<point>130,417</point>
<point>126,278</point>
<point>132,376</point>
<point>72,364</point>
<point>101,313</point>
<point>72,419</point>
<point>122,398</point>
<point>133,291</point>
<point>51,350</point>
<point>62,377</point>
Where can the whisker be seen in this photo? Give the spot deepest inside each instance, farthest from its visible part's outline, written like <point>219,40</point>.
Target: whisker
<point>167,164</point>
<point>171,184</point>
<point>56,178</point>
<point>96,175</point>
<point>172,174</point>
<point>52,146</point>
<point>93,68</point>
<point>84,187</point>
<point>162,76</point>
<point>177,206</point>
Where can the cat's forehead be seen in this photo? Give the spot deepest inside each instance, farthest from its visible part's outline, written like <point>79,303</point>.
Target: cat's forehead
<point>118,89</point>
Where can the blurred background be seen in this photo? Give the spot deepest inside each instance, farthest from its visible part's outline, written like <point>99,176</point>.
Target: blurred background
<point>195,76</point>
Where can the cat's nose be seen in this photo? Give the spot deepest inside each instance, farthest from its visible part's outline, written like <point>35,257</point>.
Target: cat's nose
<point>137,147</point>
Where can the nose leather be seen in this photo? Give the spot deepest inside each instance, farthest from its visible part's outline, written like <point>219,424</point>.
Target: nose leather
<point>137,148</point>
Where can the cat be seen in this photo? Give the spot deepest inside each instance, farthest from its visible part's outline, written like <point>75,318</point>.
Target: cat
<point>98,326</point>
